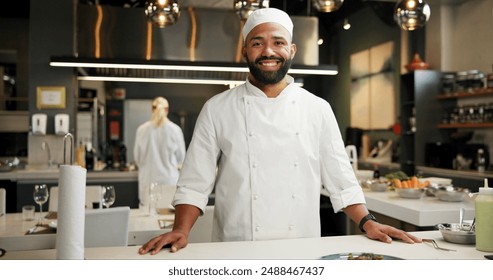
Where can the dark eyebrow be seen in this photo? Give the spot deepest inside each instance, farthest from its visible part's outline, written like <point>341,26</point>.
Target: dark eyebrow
<point>275,37</point>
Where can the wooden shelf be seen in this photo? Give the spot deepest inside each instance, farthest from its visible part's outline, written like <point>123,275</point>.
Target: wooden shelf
<point>466,125</point>
<point>475,93</point>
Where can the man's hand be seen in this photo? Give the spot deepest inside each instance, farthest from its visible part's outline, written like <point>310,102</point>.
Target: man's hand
<point>176,239</point>
<point>386,233</point>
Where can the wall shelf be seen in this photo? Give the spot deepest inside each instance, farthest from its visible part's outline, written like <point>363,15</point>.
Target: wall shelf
<point>475,93</point>
<point>466,125</point>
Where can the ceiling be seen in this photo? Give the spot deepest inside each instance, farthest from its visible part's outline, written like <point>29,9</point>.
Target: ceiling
<point>20,8</point>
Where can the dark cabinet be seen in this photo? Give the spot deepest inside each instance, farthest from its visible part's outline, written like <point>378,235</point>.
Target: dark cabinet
<point>420,114</point>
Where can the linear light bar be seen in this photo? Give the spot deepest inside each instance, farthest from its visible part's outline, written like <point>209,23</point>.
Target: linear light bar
<point>185,66</point>
<point>166,80</point>
<point>150,66</point>
<point>158,80</point>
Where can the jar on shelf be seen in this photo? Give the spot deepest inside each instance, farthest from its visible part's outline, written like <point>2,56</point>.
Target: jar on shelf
<point>475,79</point>
<point>489,80</point>
<point>461,81</point>
<point>448,83</point>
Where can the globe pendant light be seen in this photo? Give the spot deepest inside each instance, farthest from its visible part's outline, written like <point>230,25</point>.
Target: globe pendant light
<point>412,14</point>
<point>162,13</point>
<point>245,7</point>
<point>327,6</point>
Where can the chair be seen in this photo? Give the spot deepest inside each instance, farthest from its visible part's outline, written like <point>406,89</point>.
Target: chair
<point>3,195</point>
<point>93,194</point>
<point>106,227</point>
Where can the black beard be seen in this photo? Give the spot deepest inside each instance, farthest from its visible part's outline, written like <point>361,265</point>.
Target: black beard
<point>269,77</point>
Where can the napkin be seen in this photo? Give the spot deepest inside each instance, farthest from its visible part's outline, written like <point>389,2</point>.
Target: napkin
<point>71,207</point>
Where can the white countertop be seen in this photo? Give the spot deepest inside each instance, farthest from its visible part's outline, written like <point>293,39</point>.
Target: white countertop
<point>34,175</point>
<point>13,230</point>
<point>301,249</point>
<point>424,212</point>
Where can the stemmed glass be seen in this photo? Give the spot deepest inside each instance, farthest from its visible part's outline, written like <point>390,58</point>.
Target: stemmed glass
<point>154,197</point>
<point>40,196</point>
<point>108,196</point>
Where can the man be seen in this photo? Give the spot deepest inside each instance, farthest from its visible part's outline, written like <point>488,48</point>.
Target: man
<point>266,148</point>
<point>159,149</point>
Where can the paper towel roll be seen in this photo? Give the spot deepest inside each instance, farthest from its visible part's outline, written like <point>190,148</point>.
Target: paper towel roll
<point>71,213</point>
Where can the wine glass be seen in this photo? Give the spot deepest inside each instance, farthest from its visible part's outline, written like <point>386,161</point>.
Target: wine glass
<point>40,196</point>
<point>154,197</point>
<point>108,196</point>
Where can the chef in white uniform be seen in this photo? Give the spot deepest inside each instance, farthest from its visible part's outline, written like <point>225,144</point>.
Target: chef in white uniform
<point>266,148</point>
<point>159,149</point>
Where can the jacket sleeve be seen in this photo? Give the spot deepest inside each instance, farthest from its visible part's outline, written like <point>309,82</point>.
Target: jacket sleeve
<point>137,151</point>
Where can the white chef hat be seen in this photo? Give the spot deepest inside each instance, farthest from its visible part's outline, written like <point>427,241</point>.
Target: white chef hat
<point>267,15</point>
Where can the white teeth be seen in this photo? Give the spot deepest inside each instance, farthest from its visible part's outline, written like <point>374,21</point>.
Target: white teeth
<point>269,63</point>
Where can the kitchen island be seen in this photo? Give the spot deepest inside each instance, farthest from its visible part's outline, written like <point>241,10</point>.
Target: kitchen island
<point>287,249</point>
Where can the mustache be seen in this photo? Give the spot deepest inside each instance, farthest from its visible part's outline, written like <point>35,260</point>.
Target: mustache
<point>260,59</point>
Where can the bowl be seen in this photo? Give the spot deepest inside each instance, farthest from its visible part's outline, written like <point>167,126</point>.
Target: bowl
<point>410,193</point>
<point>377,185</point>
<point>451,194</point>
<point>454,234</point>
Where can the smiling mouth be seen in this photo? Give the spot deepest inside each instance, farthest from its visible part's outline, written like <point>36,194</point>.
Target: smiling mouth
<point>269,62</point>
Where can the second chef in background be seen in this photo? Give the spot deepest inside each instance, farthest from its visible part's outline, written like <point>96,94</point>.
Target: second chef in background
<point>159,149</point>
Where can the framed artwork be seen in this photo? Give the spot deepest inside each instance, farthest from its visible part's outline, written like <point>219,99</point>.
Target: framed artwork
<point>50,97</point>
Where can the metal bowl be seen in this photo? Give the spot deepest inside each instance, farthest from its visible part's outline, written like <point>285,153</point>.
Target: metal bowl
<point>454,234</point>
<point>451,194</point>
<point>377,185</point>
<point>410,193</point>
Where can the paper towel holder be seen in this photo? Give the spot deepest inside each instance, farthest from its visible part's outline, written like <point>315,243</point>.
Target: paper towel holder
<point>68,135</point>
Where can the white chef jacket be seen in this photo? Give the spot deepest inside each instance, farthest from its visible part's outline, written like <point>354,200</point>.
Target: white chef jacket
<point>158,152</point>
<point>272,155</point>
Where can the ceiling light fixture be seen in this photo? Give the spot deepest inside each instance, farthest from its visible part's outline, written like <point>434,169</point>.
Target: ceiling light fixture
<point>412,14</point>
<point>327,6</point>
<point>346,24</point>
<point>162,13</point>
<point>245,8</point>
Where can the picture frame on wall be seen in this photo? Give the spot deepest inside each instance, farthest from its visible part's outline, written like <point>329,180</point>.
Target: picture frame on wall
<point>50,97</point>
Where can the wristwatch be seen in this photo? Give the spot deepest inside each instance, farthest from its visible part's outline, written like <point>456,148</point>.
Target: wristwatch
<point>366,219</point>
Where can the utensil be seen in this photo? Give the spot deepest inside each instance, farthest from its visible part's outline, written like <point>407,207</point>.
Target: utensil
<point>473,225</point>
<point>489,257</point>
<point>435,245</point>
<point>461,217</point>
<point>454,234</point>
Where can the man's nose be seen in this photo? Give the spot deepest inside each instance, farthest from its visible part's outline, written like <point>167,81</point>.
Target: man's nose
<point>268,51</point>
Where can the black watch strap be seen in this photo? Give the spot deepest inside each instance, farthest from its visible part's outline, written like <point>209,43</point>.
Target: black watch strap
<point>366,219</point>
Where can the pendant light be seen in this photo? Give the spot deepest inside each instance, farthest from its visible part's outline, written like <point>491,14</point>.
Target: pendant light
<point>162,13</point>
<point>412,14</point>
<point>327,6</point>
<point>245,7</point>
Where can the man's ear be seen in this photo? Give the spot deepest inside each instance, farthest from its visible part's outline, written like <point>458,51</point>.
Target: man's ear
<point>293,50</point>
<point>244,53</point>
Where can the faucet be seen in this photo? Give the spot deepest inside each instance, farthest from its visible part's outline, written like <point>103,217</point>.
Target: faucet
<point>46,147</point>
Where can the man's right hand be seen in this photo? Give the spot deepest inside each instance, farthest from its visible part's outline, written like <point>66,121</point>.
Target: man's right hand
<point>174,239</point>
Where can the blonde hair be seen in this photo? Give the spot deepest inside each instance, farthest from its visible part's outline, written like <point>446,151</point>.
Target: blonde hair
<point>159,111</point>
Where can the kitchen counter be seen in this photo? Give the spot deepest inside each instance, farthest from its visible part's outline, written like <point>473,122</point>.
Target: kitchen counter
<point>425,212</point>
<point>299,249</point>
<point>52,174</point>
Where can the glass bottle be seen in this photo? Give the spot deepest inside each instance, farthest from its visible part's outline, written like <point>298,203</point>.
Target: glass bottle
<point>481,161</point>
